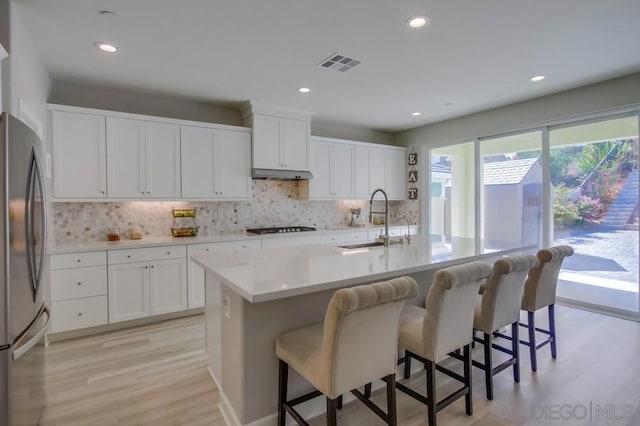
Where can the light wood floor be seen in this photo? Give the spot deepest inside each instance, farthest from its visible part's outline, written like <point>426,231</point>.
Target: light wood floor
<point>156,375</point>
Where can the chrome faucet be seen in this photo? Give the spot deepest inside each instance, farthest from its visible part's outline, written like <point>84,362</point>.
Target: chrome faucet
<point>385,212</point>
<point>407,237</point>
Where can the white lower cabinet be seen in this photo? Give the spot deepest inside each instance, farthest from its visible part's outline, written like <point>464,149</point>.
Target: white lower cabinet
<point>147,282</point>
<point>196,273</point>
<point>78,290</point>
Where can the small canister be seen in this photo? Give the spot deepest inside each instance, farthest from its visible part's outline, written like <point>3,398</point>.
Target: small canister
<point>113,234</point>
<point>135,233</point>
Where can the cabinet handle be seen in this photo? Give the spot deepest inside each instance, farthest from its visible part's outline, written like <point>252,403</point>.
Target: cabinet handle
<point>142,192</point>
<point>207,249</point>
<point>146,267</point>
<point>128,256</point>
<point>153,266</point>
<point>149,192</point>
<point>102,192</point>
<point>168,252</point>
<point>79,283</point>
<point>79,314</point>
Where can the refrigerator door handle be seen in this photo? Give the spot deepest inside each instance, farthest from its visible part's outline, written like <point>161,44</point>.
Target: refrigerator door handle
<point>23,348</point>
<point>34,178</point>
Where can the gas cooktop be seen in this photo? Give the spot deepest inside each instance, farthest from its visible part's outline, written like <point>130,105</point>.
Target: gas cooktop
<point>280,230</point>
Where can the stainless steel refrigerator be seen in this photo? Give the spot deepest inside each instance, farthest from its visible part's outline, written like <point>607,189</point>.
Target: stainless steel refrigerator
<point>24,316</point>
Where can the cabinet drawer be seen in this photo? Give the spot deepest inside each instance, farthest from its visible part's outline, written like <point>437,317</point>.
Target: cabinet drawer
<point>78,283</point>
<point>78,260</point>
<point>146,254</point>
<point>297,240</point>
<point>345,237</point>
<point>78,313</point>
<point>224,246</point>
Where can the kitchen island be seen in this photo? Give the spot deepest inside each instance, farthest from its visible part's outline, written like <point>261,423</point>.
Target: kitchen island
<point>256,295</point>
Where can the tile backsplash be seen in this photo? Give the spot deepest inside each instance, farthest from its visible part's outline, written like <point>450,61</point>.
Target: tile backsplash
<point>274,203</point>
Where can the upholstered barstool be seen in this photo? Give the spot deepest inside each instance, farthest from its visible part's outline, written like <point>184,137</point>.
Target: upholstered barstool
<point>540,292</point>
<point>499,306</point>
<point>446,325</point>
<point>356,344</point>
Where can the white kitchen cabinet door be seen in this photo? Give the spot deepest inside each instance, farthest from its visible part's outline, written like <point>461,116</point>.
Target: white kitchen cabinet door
<point>332,166</point>
<point>396,174</point>
<point>295,144</point>
<point>361,172</point>
<point>232,165</point>
<point>342,170</point>
<point>168,286</point>
<point>320,166</point>
<point>198,158</point>
<point>162,160</point>
<point>79,155</point>
<point>377,169</point>
<point>266,142</point>
<point>216,164</point>
<point>128,291</point>
<point>126,158</point>
<point>280,143</point>
<point>143,159</point>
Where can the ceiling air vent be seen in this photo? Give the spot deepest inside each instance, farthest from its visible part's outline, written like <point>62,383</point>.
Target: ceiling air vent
<point>339,63</point>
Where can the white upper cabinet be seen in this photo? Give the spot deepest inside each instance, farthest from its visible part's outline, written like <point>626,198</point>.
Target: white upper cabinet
<point>361,171</point>
<point>79,155</point>
<point>377,169</point>
<point>295,144</point>
<point>396,174</point>
<point>380,167</point>
<point>280,143</point>
<point>216,164</point>
<point>280,137</point>
<point>143,159</point>
<point>332,169</point>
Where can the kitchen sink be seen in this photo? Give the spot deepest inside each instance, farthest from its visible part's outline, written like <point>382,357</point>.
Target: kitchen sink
<point>370,244</point>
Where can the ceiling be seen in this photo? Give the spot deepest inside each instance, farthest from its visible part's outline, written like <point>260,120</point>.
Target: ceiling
<point>474,55</point>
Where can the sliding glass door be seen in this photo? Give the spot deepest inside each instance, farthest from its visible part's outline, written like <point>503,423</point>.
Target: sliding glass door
<point>575,184</point>
<point>511,190</point>
<point>594,174</point>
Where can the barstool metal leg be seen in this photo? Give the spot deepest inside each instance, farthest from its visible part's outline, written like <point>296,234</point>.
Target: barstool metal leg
<point>391,400</point>
<point>468,400</point>
<point>488,366</point>
<point>430,366</point>
<point>332,406</point>
<point>532,340</point>
<point>407,365</point>
<point>283,376</point>
<point>552,330</point>
<point>515,348</point>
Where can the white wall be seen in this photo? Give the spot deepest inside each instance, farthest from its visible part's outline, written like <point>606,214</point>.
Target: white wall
<point>345,131</point>
<point>607,95</point>
<point>140,102</point>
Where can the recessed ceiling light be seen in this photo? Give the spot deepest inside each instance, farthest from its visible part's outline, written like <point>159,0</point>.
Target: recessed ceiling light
<point>304,90</point>
<point>415,114</point>
<point>106,47</point>
<point>417,21</point>
<point>538,78</point>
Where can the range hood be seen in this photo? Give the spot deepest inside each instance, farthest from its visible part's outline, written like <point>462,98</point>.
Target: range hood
<point>281,174</point>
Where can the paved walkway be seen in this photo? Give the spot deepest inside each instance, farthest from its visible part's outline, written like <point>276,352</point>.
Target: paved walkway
<point>603,257</point>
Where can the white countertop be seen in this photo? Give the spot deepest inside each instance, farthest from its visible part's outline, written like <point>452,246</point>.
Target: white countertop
<point>260,275</point>
<point>82,246</point>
